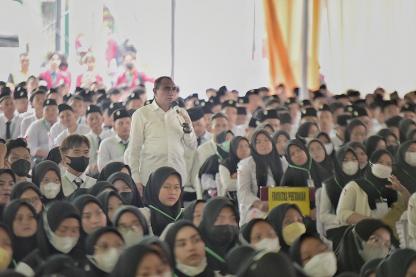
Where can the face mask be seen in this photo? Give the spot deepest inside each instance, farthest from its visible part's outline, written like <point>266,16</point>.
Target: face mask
<point>63,244</point>
<point>107,260</point>
<point>131,237</point>
<point>321,265</point>
<point>292,231</point>
<point>381,171</point>
<point>79,164</point>
<point>329,147</point>
<point>5,258</point>
<point>374,251</point>
<point>271,245</point>
<point>192,270</point>
<point>129,66</point>
<point>127,197</point>
<point>350,168</point>
<point>225,146</point>
<point>223,234</point>
<point>21,167</point>
<point>50,190</point>
<point>410,158</point>
<point>308,139</point>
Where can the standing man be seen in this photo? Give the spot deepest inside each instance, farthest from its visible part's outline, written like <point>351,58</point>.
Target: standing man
<point>157,136</point>
<point>9,121</point>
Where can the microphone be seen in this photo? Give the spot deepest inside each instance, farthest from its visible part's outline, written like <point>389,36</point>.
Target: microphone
<point>176,105</point>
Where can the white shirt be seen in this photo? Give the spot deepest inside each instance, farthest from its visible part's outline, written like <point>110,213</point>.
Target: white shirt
<point>111,150</point>
<point>327,215</point>
<point>14,126</point>
<point>157,139</point>
<point>26,122</point>
<point>227,183</point>
<point>37,136</point>
<point>93,139</point>
<point>54,132</point>
<point>68,185</point>
<point>81,130</point>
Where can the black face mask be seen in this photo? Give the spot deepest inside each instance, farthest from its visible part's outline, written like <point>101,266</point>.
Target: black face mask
<point>223,234</point>
<point>79,164</point>
<point>127,197</point>
<point>21,167</point>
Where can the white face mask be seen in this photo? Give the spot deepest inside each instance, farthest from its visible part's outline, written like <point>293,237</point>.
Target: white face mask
<point>192,270</point>
<point>271,245</point>
<point>350,168</point>
<point>381,171</point>
<point>329,147</point>
<point>373,251</point>
<point>131,237</point>
<point>50,190</point>
<point>106,261</point>
<point>308,139</point>
<point>321,265</point>
<point>410,158</point>
<point>63,244</point>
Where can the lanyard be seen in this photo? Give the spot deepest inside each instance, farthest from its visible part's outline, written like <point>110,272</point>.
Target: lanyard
<point>307,170</point>
<point>336,181</point>
<point>375,187</point>
<point>165,214</point>
<point>213,254</point>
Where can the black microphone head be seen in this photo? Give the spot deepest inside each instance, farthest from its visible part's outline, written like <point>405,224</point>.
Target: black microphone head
<point>179,102</point>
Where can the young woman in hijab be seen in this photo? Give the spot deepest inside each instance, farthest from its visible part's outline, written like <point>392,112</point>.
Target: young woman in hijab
<point>259,233</point>
<point>159,246</point>
<point>392,140</point>
<point>6,248</point>
<point>131,224</point>
<point>360,151</point>
<point>307,131</point>
<point>367,240</point>
<point>219,229</point>
<point>188,250</point>
<point>110,201</point>
<point>100,187</point>
<point>280,138</point>
<point>140,260</point>
<point>313,256</point>
<point>405,167</point>
<point>375,195</point>
<point>239,150</point>
<point>356,131</point>
<point>46,175</point>
<point>194,211</point>
<point>163,199</point>
<point>7,181</point>
<point>112,168</point>
<point>103,247</point>
<point>263,168</point>
<point>401,263</point>
<point>318,153</point>
<point>374,143</point>
<point>287,221</point>
<point>28,192</point>
<point>126,188</point>
<point>58,233</point>
<point>405,126</point>
<point>346,169</point>
<point>329,146</point>
<point>21,217</point>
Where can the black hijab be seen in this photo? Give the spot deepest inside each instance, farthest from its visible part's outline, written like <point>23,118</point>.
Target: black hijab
<point>170,240</point>
<point>297,176</point>
<point>404,171</point>
<point>80,202</point>
<point>111,168</point>
<point>246,229</point>
<point>371,144</point>
<point>277,134</point>
<point>104,198</point>
<point>188,212</point>
<point>385,133</point>
<point>265,162</point>
<point>134,210</point>
<point>60,265</point>
<point>327,164</point>
<point>295,248</point>
<point>21,187</point>
<point>303,131</point>
<point>238,258</point>
<point>39,172</point>
<point>375,187</point>
<point>350,127</point>
<point>160,246</point>
<point>276,217</point>
<point>354,145</point>
<point>21,246</point>
<point>404,128</point>
<point>231,162</point>
<point>410,135</point>
<point>99,187</point>
<point>397,263</point>
<point>161,215</point>
<point>132,198</point>
<point>335,184</point>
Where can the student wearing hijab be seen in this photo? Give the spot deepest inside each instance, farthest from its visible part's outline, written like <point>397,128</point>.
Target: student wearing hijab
<point>263,168</point>
<point>259,233</point>
<point>307,131</point>
<point>21,217</point>
<point>141,260</point>
<point>318,153</point>
<point>101,186</point>
<point>110,201</point>
<point>28,192</point>
<point>111,168</point>
<point>219,230</point>
<point>329,146</point>
<point>46,175</point>
<point>313,256</point>
<point>374,143</point>
<point>411,135</point>
<point>375,195</point>
<point>356,131</point>
<point>92,214</point>
<point>239,150</point>
<point>346,169</point>
<point>405,167</point>
<point>392,140</point>
<point>280,138</point>
<point>401,263</point>
<point>159,246</point>
<point>103,247</point>
<point>58,233</point>
<point>188,250</point>
<point>131,224</point>
<point>367,240</point>
<point>360,151</point>
<point>126,188</point>
<point>7,181</point>
<point>194,211</point>
<point>287,221</point>
<point>162,198</point>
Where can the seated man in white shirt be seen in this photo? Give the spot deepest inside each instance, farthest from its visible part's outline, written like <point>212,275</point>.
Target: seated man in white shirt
<point>36,101</point>
<point>75,150</point>
<point>9,121</point>
<point>69,121</point>
<point>112,149</point>
<point>18,159</point>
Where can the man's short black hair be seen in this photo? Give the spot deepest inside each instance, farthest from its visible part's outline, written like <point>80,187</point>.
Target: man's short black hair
<point>73,141</point>
<point>159,80</point>
<point>15,143</point>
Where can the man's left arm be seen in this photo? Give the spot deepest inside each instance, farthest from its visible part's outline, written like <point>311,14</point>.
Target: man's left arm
<point>189,139</point>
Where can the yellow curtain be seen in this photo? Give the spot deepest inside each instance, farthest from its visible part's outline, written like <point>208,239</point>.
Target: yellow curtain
<point>284,35</point>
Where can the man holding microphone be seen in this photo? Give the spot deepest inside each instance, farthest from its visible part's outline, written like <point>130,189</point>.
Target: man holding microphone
<point>160,134</point>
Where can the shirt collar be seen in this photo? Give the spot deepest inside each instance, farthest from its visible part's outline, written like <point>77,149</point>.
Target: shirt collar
<point>72,177</point>
<point>120,140</point>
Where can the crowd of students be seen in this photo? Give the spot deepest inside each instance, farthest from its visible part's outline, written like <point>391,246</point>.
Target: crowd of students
<point>83,194</point>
